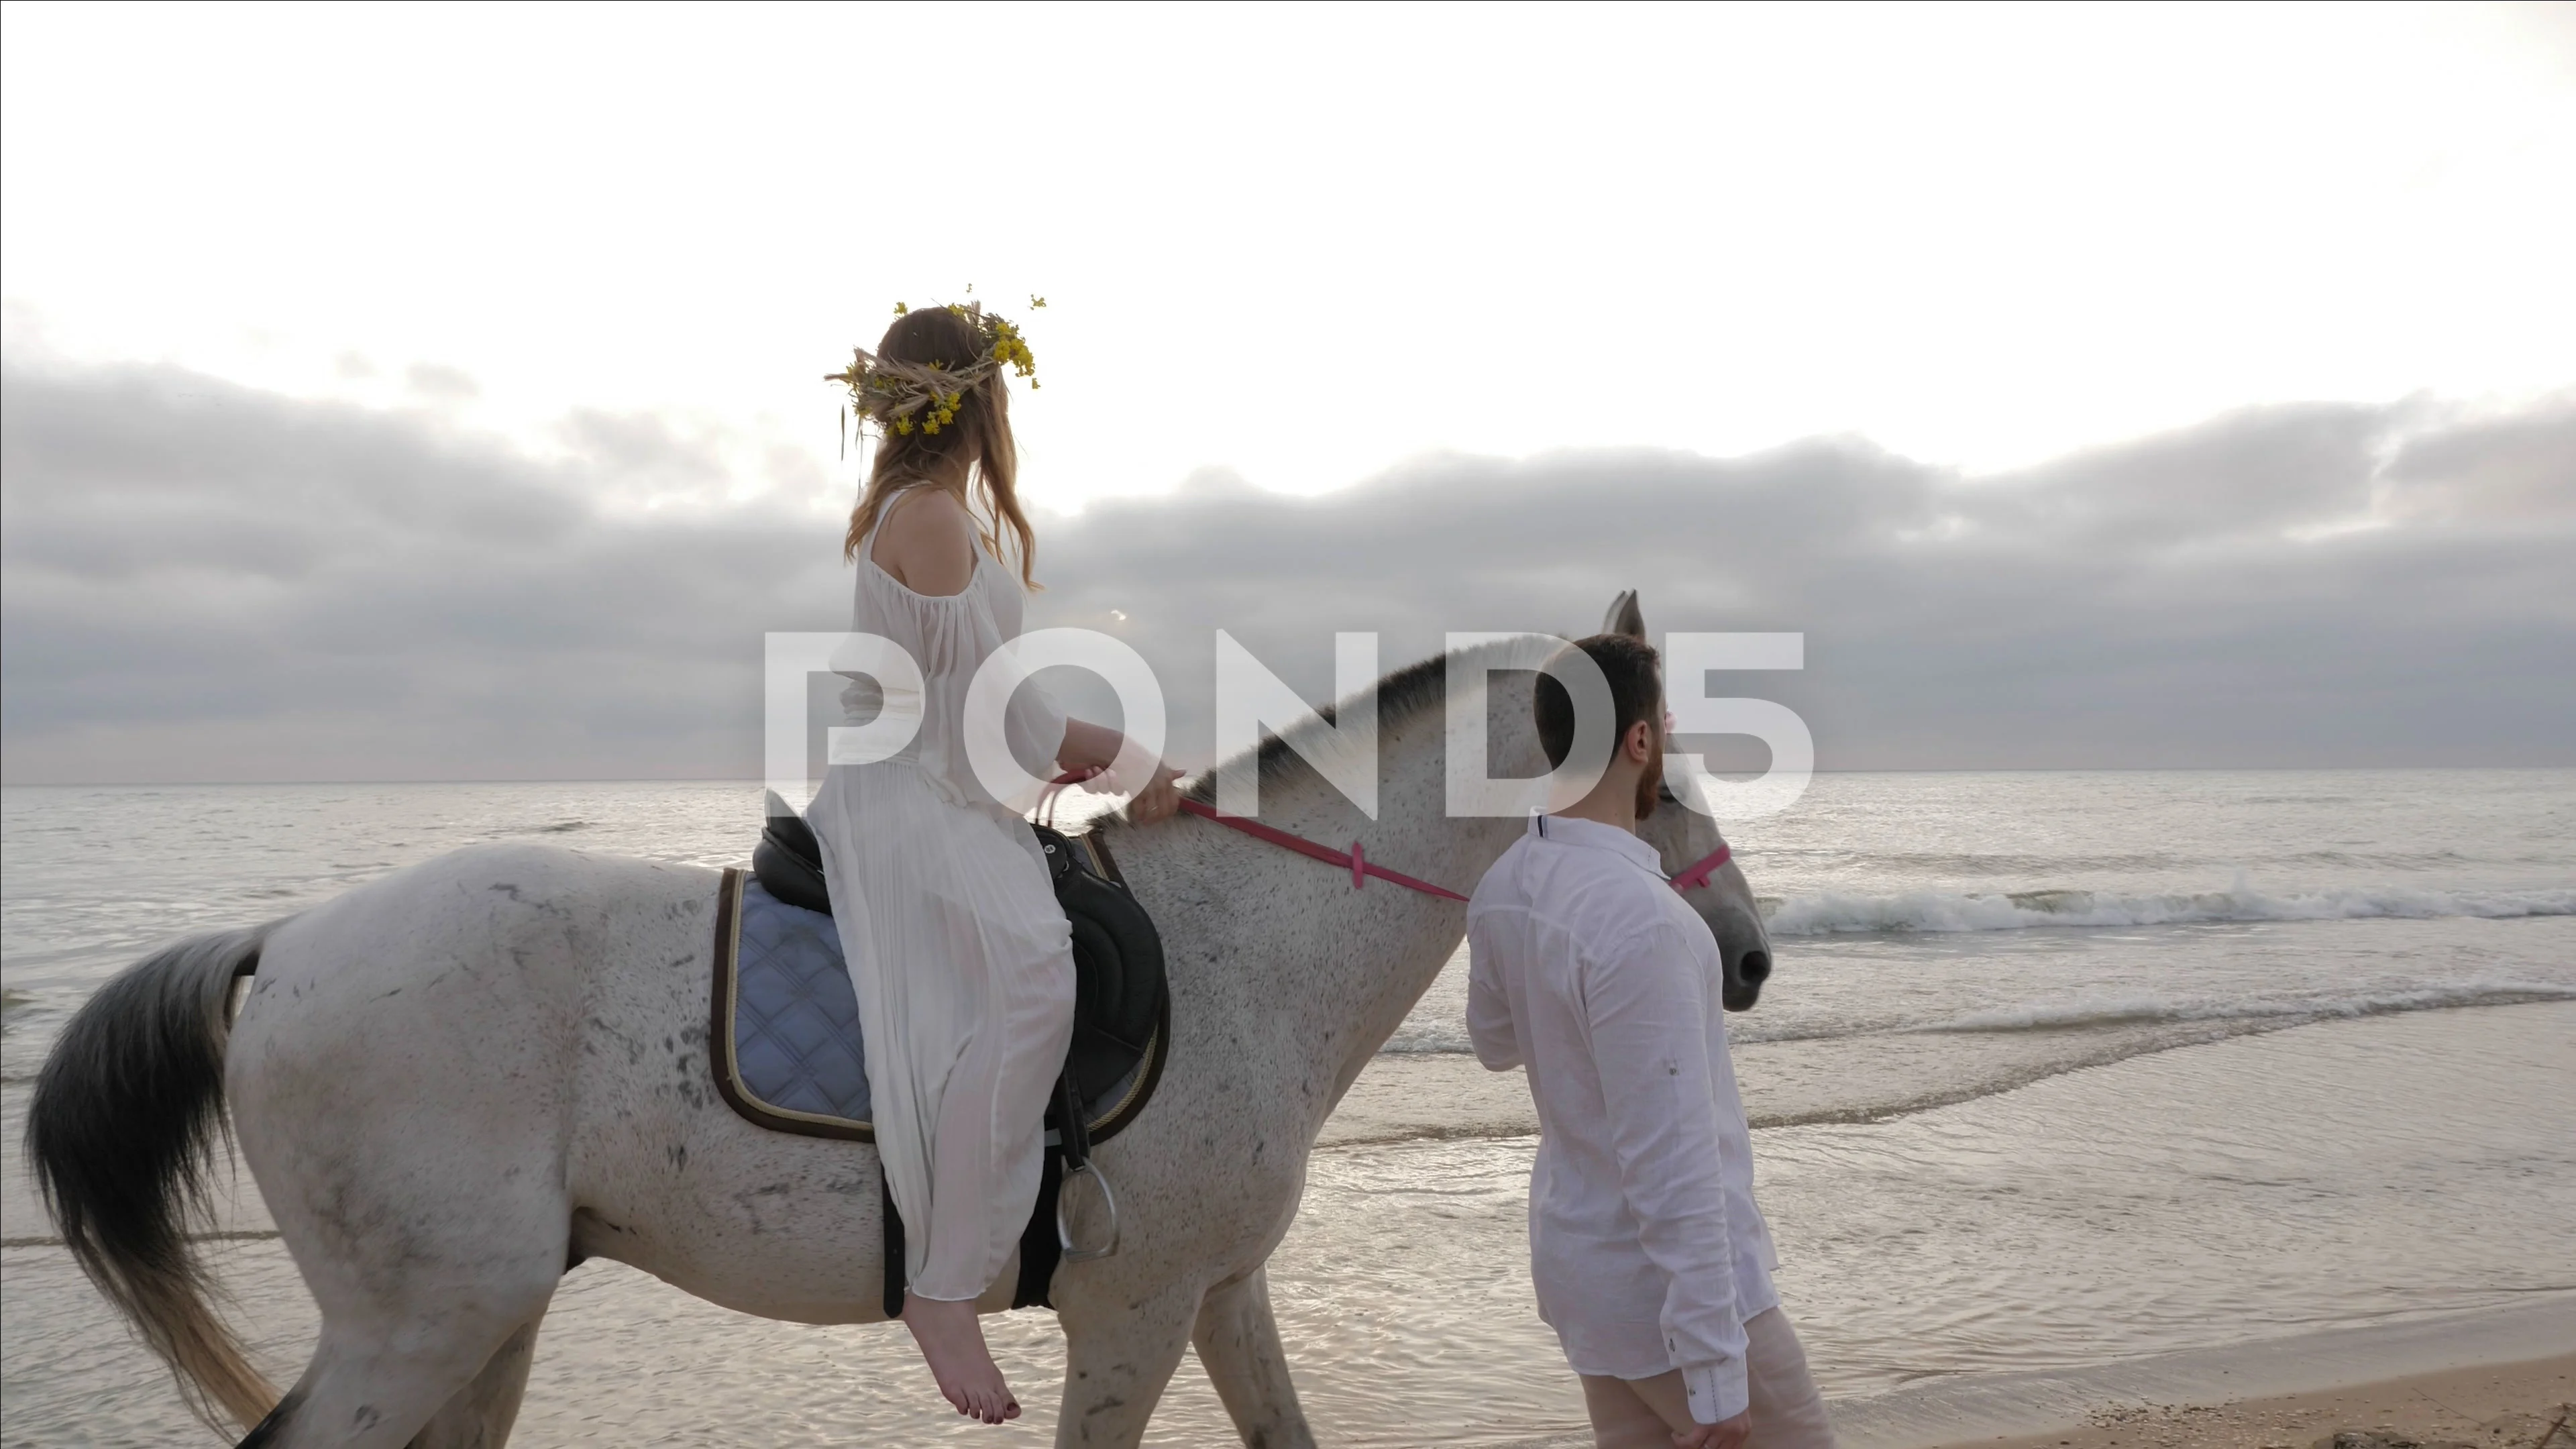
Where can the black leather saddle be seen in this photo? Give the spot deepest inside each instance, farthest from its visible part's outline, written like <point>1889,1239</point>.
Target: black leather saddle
<point>1122,1018</point>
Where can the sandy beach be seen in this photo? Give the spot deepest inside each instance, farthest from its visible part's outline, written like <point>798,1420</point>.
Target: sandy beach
<point>2514,1404</point>
<point>2466,1381</point>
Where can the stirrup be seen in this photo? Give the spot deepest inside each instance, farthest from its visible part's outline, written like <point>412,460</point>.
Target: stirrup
<point>1064,1229</point>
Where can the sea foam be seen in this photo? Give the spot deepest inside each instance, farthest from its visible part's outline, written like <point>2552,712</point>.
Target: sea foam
<point>1832,912</point>
<point>2062,1014</point>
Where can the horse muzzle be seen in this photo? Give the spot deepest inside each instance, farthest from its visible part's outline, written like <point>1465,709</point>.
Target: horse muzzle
<point>1745,973</point>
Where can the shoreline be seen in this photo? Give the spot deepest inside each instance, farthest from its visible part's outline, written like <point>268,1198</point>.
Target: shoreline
<point>2178,1399</point>
<point>1864,1079</point>
<point>2463,1378</point>
<point>2507,1406</point>
<point>2470,1378</point>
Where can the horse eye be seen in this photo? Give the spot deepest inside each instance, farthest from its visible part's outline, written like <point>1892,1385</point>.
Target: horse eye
<point>1665,794</point>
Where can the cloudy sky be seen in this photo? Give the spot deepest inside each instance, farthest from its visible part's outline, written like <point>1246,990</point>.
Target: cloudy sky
<point>433,393</point>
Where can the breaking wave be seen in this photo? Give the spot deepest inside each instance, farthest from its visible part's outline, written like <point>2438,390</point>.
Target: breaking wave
<point>1832,912</point>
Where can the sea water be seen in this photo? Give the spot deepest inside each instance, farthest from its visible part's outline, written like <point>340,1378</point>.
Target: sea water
<point>2055,1068</point>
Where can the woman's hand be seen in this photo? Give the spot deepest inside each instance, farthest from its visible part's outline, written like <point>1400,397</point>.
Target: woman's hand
<point>1088,746</point>
<point>1158,799</point>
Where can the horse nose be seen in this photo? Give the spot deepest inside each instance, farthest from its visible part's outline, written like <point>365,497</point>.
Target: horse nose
<point>1744,981</point>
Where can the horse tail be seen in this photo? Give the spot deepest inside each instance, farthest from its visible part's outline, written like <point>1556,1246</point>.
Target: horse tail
<point>121,1136</point>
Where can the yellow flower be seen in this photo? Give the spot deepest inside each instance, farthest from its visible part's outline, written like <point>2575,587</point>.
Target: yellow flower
<point>900,309</point>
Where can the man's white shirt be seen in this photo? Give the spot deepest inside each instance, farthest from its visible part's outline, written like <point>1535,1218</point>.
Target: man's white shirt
<point>1589,970</point>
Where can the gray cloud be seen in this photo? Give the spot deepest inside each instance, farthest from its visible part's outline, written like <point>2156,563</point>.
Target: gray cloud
<point>442,384</point>
<point>208,582</point>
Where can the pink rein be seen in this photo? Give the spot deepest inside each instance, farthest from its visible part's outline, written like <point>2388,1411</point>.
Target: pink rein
<point>1696,874</point>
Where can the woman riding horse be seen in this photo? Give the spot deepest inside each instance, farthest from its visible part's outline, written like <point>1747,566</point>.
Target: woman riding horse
<point>948,919</point>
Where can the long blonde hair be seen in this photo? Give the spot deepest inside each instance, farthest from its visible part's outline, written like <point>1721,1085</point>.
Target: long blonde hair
<point>981,431</point>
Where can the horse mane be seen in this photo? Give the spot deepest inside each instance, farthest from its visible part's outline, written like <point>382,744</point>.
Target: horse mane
<point>1409,691</point>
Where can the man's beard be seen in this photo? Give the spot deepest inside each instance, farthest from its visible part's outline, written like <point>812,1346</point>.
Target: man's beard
<point>1650,785</point>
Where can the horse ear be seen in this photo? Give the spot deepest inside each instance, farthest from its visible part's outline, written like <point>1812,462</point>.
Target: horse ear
<point>1624,617</point>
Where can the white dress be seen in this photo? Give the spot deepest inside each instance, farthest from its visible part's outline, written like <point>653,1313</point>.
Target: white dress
<point>960,955</point>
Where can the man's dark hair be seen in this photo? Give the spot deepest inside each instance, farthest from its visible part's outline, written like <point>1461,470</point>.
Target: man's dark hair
<point>1636,691</point>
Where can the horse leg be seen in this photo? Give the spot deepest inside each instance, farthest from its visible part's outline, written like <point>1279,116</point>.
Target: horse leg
<point>1119,1353</point>
<point>385,1380</point>
<point>479,1416</point>
<point>1238,1343</point>
<point>432,1251</point>
<point>402,1083</point>
<point>425,1298</point>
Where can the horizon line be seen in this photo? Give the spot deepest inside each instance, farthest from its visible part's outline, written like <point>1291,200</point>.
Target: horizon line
<point>751,781</point>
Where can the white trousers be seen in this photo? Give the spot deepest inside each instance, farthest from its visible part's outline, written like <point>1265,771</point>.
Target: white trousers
<point>1787,1411</point>
<point>963,965</point>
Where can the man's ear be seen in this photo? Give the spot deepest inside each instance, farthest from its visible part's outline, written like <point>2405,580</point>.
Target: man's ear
<point>1639,745</point>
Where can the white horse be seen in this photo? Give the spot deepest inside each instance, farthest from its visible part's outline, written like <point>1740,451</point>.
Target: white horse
<point>453,1083</point>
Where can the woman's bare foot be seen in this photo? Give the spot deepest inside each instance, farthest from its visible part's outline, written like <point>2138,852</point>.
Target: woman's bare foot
<point>953,1343</point>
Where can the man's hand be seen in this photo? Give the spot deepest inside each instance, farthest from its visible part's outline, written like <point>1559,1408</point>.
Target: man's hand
<point>1724,1434</point>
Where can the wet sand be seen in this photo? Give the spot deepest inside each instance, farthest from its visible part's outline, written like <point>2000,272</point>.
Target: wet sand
<point>2506,1406</point>
<point>2494,1379</point>
<point>2457,1381</point>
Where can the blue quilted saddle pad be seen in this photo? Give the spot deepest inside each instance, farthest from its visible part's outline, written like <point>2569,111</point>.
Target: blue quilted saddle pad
<point>785,1038</point>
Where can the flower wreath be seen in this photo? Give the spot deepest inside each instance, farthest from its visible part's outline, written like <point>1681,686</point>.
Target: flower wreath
<point>902,396</point>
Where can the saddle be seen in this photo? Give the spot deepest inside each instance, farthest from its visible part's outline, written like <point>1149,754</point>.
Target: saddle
<point>788,1054</point>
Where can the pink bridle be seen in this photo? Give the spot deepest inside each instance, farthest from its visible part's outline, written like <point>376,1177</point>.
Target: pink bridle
<point>1691,877</point>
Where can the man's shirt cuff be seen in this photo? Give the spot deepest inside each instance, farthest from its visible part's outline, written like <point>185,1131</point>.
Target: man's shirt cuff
<point>1718,1391</point>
